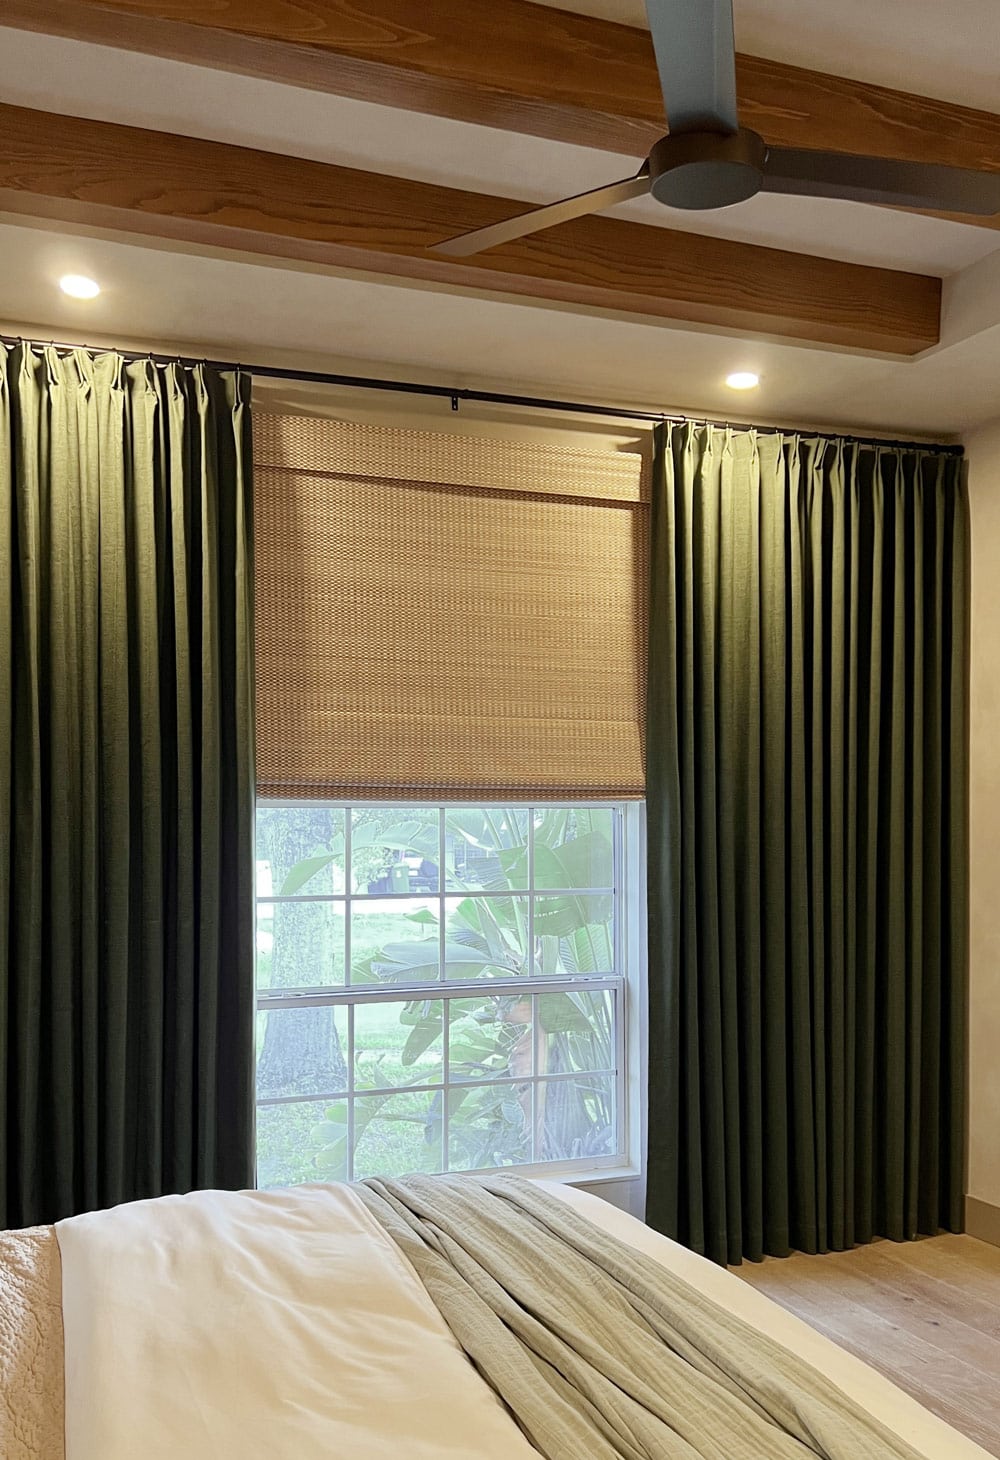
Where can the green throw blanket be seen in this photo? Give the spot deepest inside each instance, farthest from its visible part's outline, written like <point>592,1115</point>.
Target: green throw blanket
<point>597,1350</point>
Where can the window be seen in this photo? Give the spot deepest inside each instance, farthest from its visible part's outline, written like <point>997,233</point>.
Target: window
<point>440,988</point>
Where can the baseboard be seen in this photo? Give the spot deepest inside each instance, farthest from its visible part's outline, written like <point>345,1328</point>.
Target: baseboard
<point>982,1220</point>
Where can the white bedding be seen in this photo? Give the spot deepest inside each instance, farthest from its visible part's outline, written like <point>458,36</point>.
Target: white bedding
<point>273,1324</point>
<point>261,1325</point>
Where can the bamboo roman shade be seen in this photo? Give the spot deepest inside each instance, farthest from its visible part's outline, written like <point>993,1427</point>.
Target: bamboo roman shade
<point>446,615</point>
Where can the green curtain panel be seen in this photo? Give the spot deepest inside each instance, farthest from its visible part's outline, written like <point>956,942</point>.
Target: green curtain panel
<point>126,782</point>
<point>807,803</point>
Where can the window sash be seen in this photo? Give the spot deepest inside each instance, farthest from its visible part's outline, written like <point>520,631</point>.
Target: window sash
<point>533,1083</point>
<point>444,989</point>
<point>451,892</point>
<point>453,988</point>
<point>444,893</point>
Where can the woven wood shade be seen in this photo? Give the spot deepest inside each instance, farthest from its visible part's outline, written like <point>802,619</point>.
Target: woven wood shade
<point>446,616</point>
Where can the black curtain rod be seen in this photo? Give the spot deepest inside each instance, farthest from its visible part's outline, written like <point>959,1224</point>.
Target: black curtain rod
<point>457,394</point>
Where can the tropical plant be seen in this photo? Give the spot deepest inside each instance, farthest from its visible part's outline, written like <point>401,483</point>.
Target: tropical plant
<point>497,1035</point>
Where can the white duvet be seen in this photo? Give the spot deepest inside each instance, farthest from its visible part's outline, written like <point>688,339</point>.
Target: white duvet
<point>222,1326</point>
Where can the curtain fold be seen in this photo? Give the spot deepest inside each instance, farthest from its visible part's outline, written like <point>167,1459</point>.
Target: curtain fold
<point>807,816</point>
<point>126,782</point>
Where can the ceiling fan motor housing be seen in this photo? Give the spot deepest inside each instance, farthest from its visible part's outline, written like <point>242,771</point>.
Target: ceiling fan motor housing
<point>705,170</point>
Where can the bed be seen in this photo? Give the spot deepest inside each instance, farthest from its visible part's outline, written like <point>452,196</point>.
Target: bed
<point>239,1326</point>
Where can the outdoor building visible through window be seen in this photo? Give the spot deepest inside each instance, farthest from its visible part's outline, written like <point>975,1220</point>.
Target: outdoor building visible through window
<point>440,988</point>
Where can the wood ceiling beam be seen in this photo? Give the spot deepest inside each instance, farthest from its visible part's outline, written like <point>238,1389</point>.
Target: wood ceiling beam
<point>189,189</point>
<point>514,65</point>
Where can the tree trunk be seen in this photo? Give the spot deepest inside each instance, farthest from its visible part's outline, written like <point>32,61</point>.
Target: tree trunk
<point>301,1053</point>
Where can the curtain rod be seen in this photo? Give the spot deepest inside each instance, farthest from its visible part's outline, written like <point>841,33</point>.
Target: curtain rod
<point>457,394</point>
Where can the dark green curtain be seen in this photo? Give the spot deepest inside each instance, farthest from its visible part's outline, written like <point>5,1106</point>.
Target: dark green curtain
<point>807,809</point>
<point>126,782</point>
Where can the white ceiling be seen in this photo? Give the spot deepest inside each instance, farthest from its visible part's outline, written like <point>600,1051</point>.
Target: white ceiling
<point>222,305</point>
<point>246,311</point>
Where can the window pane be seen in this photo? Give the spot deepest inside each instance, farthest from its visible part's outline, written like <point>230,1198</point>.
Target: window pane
<point>489,1037</point>
<point>291,1145</point>
<point>576,1032</point>
<point>489,1125</point>
<point>573,935</point>
<point>398,1044</point>
<point>395,941</point>
<point>329,1139</point>
<point>576,1118</point>
<point>299,849</point>
<point>486,848</point>
<point>301,1051</point>
<point>300,945</point>
<point>486,937</point>
<point>395,850</point>
<point>573,848</point>
<point>395,1134</point>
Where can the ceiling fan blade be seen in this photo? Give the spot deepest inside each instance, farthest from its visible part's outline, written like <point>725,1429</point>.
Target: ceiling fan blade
<point>696,59</point>
<point>887,181</point>
<point>538,218</point>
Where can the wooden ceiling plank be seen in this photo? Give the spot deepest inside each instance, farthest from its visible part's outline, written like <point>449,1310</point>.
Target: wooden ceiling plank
<point>174,187</point>
<point>568,78</point>
<point>514,65</point>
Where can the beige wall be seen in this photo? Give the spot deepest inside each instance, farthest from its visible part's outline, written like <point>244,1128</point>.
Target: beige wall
<point>984,1051</point>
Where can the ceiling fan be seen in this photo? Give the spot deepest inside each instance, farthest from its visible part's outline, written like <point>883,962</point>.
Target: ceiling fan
<point>710,161</point>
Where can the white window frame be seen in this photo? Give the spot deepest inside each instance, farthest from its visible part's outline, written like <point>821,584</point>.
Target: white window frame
<point>628,981</point>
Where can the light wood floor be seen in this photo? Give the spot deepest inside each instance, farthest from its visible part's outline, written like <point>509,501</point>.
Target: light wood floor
<point>926,1314</point>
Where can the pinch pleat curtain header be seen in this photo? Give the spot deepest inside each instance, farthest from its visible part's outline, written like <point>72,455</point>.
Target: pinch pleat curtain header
<point>806,788</point>
<point>126,781</point>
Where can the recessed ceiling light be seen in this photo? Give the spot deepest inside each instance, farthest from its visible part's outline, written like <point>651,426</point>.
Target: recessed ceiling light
<point>78,286</point>
<point>742,380</point>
